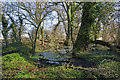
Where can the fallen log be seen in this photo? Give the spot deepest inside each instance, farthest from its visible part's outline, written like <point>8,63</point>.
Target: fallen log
<point>3,54</point>
<point>118,47</point>
<point>107,44</point>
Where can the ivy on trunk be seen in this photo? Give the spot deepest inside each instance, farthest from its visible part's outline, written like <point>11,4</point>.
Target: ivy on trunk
<point>83,35</point>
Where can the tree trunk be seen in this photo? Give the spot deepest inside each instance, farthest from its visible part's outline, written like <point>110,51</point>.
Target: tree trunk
<point>42,34</point>
<point>20,42</point>
<point>72,21</point>
<point>39,33</point>
<point>20,34</point>
<point>69,27</point>
<point>83,35</point>
<point>67,42</point>
<point>118,36</point>
<point>5,37</point>
<point>34,43</point>
<point>6,41</point>
<point>14,33</point>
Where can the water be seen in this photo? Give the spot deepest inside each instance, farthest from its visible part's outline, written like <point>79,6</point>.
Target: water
<point>58,58</point>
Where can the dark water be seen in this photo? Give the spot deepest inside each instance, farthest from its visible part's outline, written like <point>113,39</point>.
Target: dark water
<point>61,57</point>
<point>58,58</point>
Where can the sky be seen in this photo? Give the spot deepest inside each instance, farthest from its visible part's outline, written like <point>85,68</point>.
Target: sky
<point>47,24</point>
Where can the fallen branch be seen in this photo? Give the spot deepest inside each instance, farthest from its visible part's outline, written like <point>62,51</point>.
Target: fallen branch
<point>10,52</point>
<point>107,44</point>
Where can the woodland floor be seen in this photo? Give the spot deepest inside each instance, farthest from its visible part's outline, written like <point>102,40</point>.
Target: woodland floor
<point>97,64</point>
<point>86,65</point>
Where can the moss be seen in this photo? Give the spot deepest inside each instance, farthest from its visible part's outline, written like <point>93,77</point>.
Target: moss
<point>12,63</point>
<point>106,64</point>
<point>17,65</point>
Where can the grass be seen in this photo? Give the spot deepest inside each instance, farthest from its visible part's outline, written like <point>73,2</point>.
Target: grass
<point>112,68</point>
<point>16,47</point>
<point>17,66</point>
<point>107,63</point>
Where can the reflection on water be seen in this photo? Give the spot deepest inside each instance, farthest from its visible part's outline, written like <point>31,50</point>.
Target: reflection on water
<point>55,58</point>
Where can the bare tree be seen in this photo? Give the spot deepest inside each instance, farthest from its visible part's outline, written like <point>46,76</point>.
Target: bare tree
<point>35,13</point>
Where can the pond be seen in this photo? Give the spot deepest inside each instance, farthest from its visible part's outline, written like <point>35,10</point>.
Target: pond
<point>56,58</point>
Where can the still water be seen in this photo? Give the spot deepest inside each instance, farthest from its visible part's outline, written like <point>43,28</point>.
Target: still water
<point>58,58</point>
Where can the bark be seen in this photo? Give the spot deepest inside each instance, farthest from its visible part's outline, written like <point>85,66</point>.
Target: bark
<point>69,25</point>
<point>72,21</point>
<point>14,30</point>
<point>21,23</point>
<point>5,37</point>
<point>82,40</point>
<point>3,54</point>
<point>5,29</point>
<point>118,36</point>
<point>34,43</point>
<point>20,34</point>
<point>70,11</point>
<point>42,34</point>
<point>14,33</point>
<point>39,33</point>
<point>31,38</point>
<point>107,44</point>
